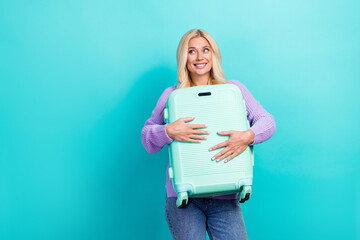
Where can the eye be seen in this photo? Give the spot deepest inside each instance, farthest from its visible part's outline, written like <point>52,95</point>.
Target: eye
<point>206,50</point>
<point>191,51</point>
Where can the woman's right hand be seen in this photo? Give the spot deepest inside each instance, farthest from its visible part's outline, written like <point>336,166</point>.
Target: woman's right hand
<point>185,132</point>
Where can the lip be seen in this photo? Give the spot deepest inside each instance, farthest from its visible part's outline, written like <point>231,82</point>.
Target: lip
<point>200,67</point>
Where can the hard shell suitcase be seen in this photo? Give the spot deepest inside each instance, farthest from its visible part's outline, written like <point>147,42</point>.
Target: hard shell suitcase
<point>192,171</point>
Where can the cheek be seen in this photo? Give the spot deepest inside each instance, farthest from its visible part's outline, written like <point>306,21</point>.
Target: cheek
<point>188,61</point>
<point>188,65</point>
<point>190,58</point>
<point>210,61</point>
<point>209,57</point>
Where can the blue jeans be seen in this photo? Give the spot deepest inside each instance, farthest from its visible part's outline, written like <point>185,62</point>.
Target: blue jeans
<point>221,218</point>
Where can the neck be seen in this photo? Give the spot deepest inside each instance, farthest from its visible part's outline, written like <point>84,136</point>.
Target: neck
<point>200,80</point>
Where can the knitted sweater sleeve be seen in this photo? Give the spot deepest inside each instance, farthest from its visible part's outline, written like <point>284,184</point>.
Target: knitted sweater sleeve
<point>153,135</point>
<point>262,123</point>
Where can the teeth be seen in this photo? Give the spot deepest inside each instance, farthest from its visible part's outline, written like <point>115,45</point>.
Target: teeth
<point>200,64</point>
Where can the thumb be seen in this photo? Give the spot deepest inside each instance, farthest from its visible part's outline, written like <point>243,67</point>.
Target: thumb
<point>224,132</point>
<point>188,119</point>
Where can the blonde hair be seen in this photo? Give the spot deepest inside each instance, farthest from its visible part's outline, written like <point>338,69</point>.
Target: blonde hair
<point>217,75</point>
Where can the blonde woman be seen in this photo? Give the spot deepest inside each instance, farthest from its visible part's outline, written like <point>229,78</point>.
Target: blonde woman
<point>199,63</point>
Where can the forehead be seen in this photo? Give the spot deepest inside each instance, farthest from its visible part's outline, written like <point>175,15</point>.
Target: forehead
<point>198,42</point>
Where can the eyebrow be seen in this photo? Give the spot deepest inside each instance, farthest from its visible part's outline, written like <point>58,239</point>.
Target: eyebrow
<point>202,47</point>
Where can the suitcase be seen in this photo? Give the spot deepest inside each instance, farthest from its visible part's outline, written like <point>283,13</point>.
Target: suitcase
<point>192,171</point>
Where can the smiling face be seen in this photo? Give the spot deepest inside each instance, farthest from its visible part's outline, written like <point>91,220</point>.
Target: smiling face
<point>199,58</point>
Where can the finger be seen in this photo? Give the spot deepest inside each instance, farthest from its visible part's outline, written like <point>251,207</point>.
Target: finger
<point>223,144</point>
<point>224,132</point>
<point>219,154</point>
<point>188,119</point>
<point>232,156</point>
<point>198,125</point>
<point>223,154</point>
<point>200,132</point>
<point>193,140</point>
<point>237,152</point>
<point>198,137</point>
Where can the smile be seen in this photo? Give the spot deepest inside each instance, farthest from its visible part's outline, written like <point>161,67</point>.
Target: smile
<point>200,65</point>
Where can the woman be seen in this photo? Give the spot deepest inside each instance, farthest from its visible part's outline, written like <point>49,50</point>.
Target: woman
<point>199,63</point>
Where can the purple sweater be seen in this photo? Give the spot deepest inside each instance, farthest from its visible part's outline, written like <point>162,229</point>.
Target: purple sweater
<point>154,136</point>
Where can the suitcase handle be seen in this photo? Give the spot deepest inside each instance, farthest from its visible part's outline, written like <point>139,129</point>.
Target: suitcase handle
<point>204,94</point>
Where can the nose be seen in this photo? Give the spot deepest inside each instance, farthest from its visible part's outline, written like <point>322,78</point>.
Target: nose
<point>199,56</point>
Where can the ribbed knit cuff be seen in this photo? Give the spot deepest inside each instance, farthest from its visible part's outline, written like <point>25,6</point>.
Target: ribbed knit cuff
<point>256,137</point>
<point>165,139</point>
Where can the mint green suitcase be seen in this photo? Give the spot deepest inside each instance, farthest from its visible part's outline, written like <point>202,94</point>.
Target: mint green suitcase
<point>193,173</point>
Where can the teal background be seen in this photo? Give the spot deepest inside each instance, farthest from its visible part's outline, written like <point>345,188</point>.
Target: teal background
<point>80,78</point>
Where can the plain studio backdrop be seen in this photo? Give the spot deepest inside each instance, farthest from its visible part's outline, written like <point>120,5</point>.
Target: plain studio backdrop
<point>80,78</point>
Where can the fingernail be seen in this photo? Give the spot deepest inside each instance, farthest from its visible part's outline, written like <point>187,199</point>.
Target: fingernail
<point>210,149</point>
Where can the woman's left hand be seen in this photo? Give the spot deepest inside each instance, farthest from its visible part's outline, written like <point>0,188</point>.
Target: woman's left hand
<point>236,144</point>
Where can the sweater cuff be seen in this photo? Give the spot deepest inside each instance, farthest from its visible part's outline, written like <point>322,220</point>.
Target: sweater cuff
<point>256,136</point>
<point>165,139</point>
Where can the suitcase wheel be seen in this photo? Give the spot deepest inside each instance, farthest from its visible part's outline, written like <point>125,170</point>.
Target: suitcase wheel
<point>182,200</point>
<point>183,204</point>
<point>244,194</point>
<point>246,198</point>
